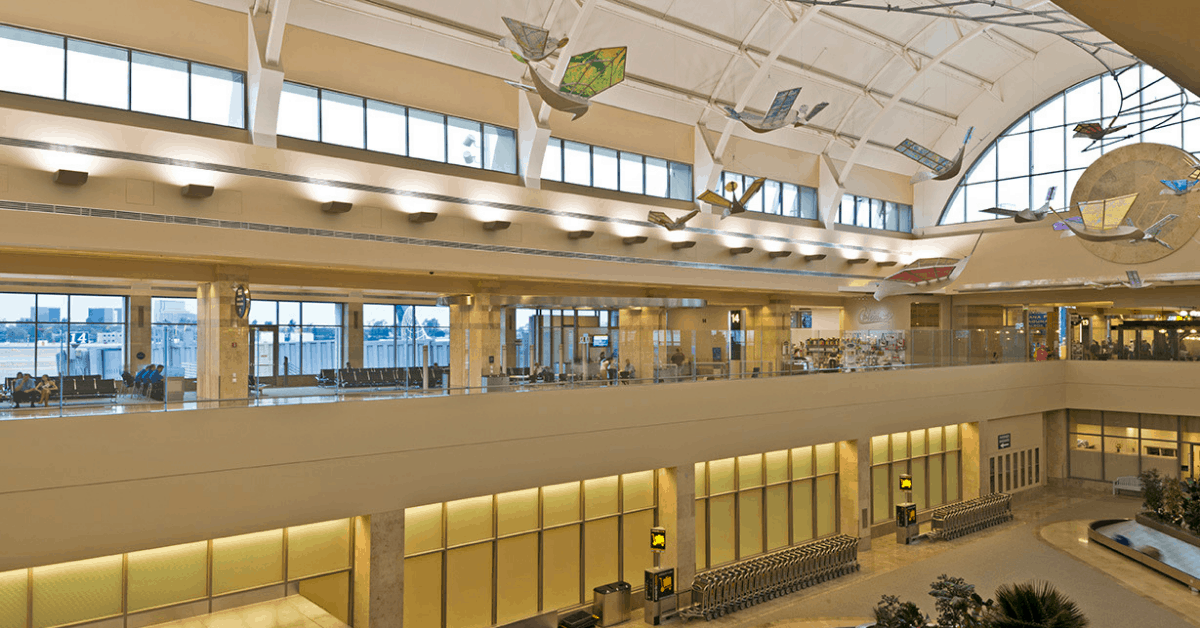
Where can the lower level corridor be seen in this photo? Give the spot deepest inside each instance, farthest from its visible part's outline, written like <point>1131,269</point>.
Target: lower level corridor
<point>1111,590</point>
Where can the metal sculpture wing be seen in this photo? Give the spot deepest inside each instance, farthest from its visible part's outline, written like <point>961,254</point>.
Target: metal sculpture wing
<point>593,72</point>
<point>923,156</point>
<point>818,109</point>
<point>780,107</point>
<point>751,190</point>
<point>1062,224</point>
<point>712,198</point>
<point>532,39</point>
<point>1179,186</point>
<point>1106,213</point>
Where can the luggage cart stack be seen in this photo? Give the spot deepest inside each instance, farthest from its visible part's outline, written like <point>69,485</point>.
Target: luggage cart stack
<point>955,520</point>
<point>733,587</point>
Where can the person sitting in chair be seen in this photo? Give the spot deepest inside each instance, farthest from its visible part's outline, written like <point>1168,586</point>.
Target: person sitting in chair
<point>45,388</point>
<point>24,389</point>
<point>154,383</point>
<point>627,373</point>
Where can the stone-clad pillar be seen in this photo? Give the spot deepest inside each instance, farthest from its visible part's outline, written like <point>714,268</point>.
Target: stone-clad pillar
<point>677,513</point>
<point>772,327</point>
<point>475,345</point>
<point>379,570</point>
<point>854,490</point>
<point>140,338</point>
<point>222,339</point>
<point>352,339</point>
<point>636,341</point>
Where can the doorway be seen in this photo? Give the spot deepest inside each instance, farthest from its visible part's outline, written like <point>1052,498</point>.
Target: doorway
<point>264,351</point>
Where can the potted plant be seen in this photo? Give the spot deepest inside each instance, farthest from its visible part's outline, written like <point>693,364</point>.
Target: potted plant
<point>1033,605</point>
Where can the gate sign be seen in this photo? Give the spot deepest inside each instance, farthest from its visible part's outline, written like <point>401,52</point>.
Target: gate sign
<point>1004,441</point>
<point>79,338</point>
<point>241,300</point>
<point>1037,319</point>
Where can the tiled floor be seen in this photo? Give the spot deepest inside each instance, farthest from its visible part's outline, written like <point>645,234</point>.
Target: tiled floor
<point>293,611</point>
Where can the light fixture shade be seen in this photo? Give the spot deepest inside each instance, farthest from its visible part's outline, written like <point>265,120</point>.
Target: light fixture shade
<point>70,177</point>
<point>778,254</point>
<point>635,240</point>
<point>336,207</point>
<point>422,217</point>
<point>886,263</point>
<point>192,190</point>
<point>858,260</point>
<point>815,257</point>
<point>582,234</point>
<point>740,250</point>
<point>686,244</point>
<point>496,225</point>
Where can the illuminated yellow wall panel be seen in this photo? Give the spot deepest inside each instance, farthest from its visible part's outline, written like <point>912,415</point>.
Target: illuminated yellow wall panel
<point>701,482</point>
<point>802,519</point>
<point>468,520</point>
<point>935,481</point>
<point>637,490</point>
<point>601,552</point>
<point>423,591</point>
<point>167,575</point>
<point>636,536</point>
<point>14,598</point>
<point>777,517</point>
<point>802,463</point>
<point>331,592</point>
<point>560,504</point>
<point>701,533</point>
<point>952,476</point>
<point>469,586</point>
<point>318,548</point>
<point>600,497</point>
<point>720,476</point>
<point>560,567</point>
<point>720,528</point>
<point>422,529</point>
<point>826,505</point>
<point>777,466</point>
<point>75,592</point>
<point>516,512</point>
<point>516,577</point>
<point>750,471</point>
<point>750,541</point>
<point>247,561</point>
<point>826,458</point>
<point>880,510</point>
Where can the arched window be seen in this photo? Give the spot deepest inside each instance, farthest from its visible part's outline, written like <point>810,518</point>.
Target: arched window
<point>1039,151</point>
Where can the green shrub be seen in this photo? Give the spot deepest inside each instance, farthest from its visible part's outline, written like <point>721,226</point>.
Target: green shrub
<point>892,613</point>
<point>1033,605</point>
<point>1152,491</point>
<point>1191,505</point>
<point>1173,501</point>
<point>958,605</point>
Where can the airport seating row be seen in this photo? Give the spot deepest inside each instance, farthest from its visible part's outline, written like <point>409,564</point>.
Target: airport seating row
<point>723,590</point>
<point>955,520</point>
<point>400,377</point>
<point>75,387</point>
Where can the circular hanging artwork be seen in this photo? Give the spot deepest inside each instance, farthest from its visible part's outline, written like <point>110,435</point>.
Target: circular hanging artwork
<point>1140,169</point>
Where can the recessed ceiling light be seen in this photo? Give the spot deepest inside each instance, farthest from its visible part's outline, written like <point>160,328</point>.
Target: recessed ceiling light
<point>192,190</point>
<point>70,177</point>
<point>336,207</point>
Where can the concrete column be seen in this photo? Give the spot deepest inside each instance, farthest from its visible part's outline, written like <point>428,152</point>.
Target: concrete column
<point>139,332</point>
<point>474,341</point>
<point>854,490</point>
<point>677,513</point>
<point>379,570</point>
<point>222,339</point>
<point>972,470</point>
<point>1055,453</point>
<point>772,327</point>
<point>352,339</point>
<point>637,339</point>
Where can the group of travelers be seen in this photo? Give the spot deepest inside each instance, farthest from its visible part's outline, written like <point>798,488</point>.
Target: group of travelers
<point>147,382</point>
<point>26,388</point>
<point>610,370</point>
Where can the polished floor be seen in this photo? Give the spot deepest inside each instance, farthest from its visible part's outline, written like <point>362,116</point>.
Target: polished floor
<point>293,611</point>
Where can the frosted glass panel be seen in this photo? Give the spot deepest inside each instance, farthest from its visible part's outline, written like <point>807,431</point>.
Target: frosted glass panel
<point>900,446</point>
<point>826,506</point>
<point>469,586</point>
<point>777,517</point>
<point>935,481</point>
<point>560,504</point>
<point>516,577</point>
<point>560,567</point>
<point>422,528</point>
<point>468,520</point>
<point>75,592</point>
<point>920,481</point>
<point>879,449</point>
<point>168,575</point>
<point>247,561</point>
<point>750,471</point>
<point>802,463</point>
<point>802,521</point>
<point>720,526</point>
<point>826,458</point>
<point>720,476</point>
<point>600,498</point>
<point>637,490</point>
<point>516,512</point>
<point>14,592</point>
<point>951,437</point>
<point>750,523</point>
<point>777,466</point>
<point>701,534</point>
<point>880,506</point>
<point>601,552</point>
<point>917,439</point>
<point>423,591</point>
<point>935,440</point>
<point>318,548</point>
<point>636,536</point>
<point>952,477</point>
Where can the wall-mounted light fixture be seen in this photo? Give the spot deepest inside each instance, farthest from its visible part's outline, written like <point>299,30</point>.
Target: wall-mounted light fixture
<point>816,257</point>
<point>858,260</point>
<point>496,225</point>
<point>192,190</point>
<point>422,217</point>
<point>740,250</point>
<point>778,254</point>
<point>336,207</point>
<point>581,234</point>
<point>70,177</point>
<point>634,240</point>
<point>886,263</point>
<point>685,244</point>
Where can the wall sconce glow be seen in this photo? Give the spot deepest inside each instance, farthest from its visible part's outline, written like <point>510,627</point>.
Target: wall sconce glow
<point>581,234</point>
<point>634,240</point>
<point>496,225</point>
<point>193,190</point>
<point>683,244</point>
<point>70,177</point>
<point>422,217</point>
<point>336,207</point>
<point>778,254</point>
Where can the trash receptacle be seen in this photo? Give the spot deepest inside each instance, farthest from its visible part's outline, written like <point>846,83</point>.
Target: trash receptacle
<point>611,603</point>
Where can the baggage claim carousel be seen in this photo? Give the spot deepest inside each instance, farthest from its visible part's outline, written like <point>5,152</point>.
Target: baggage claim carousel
<point>1153,544</point>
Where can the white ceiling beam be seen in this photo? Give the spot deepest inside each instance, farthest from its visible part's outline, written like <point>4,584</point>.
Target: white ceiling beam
<point>274,47</point>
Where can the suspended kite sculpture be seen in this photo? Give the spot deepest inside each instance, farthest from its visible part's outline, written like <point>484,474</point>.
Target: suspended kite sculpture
<point>940,168</point>
<point>587,75</point>
<point>1105,221</point>
<point>1134,281</point>
<point>529,42</point>
<point>732,206</point>
<point>662,220</point>
<point>923,276</point>
<point>1026,215</point>
<point>779,115</point>
<point>1179,187</point>
<point>1155,105</point>
<point>1096,132</point>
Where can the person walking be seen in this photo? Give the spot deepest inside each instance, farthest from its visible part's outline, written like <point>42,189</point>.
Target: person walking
<point>604,365</point>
